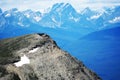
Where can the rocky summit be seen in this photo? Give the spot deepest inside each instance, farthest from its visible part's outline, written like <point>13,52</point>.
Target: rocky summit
<point>37,57</point>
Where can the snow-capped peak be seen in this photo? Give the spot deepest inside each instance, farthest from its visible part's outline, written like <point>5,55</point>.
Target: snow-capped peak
<point>59,7</point>
<point>86,10</point>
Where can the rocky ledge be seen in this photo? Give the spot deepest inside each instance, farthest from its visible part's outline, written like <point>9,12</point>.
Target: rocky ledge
<point>37,57</point>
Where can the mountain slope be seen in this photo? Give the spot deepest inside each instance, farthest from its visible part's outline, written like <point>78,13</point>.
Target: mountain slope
<point>106,34</point>
<point>42,60</point>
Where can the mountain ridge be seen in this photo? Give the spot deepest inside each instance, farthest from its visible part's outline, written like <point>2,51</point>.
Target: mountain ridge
<point>47,61</point>
<point>104,34</point>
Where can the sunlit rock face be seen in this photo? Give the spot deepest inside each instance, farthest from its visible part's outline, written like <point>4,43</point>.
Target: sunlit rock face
<point>37,57</point>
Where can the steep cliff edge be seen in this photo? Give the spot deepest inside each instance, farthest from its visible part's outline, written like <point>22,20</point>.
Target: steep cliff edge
<point>37,57</point>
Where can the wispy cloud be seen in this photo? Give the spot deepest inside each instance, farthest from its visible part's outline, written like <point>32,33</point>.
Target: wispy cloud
<point>105,1</point>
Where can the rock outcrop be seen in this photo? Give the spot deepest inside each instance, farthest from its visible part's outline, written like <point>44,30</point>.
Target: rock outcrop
<point>37,57</point>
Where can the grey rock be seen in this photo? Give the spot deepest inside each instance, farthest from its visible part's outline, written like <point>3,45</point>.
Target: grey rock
<point>47,60</point>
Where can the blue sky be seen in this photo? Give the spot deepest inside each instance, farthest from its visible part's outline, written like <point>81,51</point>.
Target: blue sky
<point>44,4</point>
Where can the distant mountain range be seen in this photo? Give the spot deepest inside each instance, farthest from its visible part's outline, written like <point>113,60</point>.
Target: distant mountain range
<point>62,15</point>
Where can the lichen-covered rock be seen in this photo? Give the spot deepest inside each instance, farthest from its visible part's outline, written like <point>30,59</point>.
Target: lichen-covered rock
<point>37,57</point>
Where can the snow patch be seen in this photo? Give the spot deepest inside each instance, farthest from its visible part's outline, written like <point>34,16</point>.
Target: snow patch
<point>75,19</point>
<point>34,50</point>
<point>27,15</point>
<point>95,16</point>
<point>19,23</point>
<point>37,18</point>
<point>53,19</point>
<point>24,60</point>
<point>115,20</point>
<point>8,15</point>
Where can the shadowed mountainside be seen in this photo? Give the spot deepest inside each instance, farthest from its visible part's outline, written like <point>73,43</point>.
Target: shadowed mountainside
<point>99,49</point>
